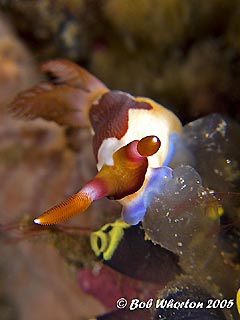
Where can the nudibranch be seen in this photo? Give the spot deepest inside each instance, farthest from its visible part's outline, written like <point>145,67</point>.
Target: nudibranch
<point>133,137</point>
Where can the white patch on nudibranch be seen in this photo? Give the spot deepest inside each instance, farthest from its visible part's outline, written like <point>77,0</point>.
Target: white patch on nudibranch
<point>158,121</point>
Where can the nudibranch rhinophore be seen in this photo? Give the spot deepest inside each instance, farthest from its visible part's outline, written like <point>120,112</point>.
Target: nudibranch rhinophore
<point>133,137</point>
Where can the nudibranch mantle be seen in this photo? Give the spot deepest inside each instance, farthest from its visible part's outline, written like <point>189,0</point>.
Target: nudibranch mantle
<point>148,119</point>
<point>122,125</point>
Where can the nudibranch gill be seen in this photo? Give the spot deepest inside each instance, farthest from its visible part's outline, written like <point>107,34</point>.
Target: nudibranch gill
<point>133,137</point>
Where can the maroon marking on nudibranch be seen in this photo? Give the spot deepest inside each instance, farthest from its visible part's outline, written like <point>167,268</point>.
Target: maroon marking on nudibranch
<point>109,116</point>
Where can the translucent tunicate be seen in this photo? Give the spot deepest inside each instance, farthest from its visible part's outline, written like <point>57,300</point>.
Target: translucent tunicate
<point>214,143</point>
<point>181,212</point>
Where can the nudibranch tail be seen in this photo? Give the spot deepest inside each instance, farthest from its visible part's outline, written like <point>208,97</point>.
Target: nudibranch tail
<point>125,177</point>
<point>65,98</point>
<point>77,203</point>
<point>66,209</point>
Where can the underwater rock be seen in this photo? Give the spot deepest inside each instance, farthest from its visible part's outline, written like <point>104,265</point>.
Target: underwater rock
<point>8,309</point>
<point>181,54</point>
<point>127,252</point>
<point>125,314</point>
<point>186,300</point>
<point>138,19</point>
<point>59,30</point>
<point>17,66</point>
<point>107,285</point>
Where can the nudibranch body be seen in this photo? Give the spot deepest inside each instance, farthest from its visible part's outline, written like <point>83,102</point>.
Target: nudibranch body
<point>133,137</point>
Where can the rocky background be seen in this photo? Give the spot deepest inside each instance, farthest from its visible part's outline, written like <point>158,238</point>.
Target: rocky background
<point>184,54</point>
